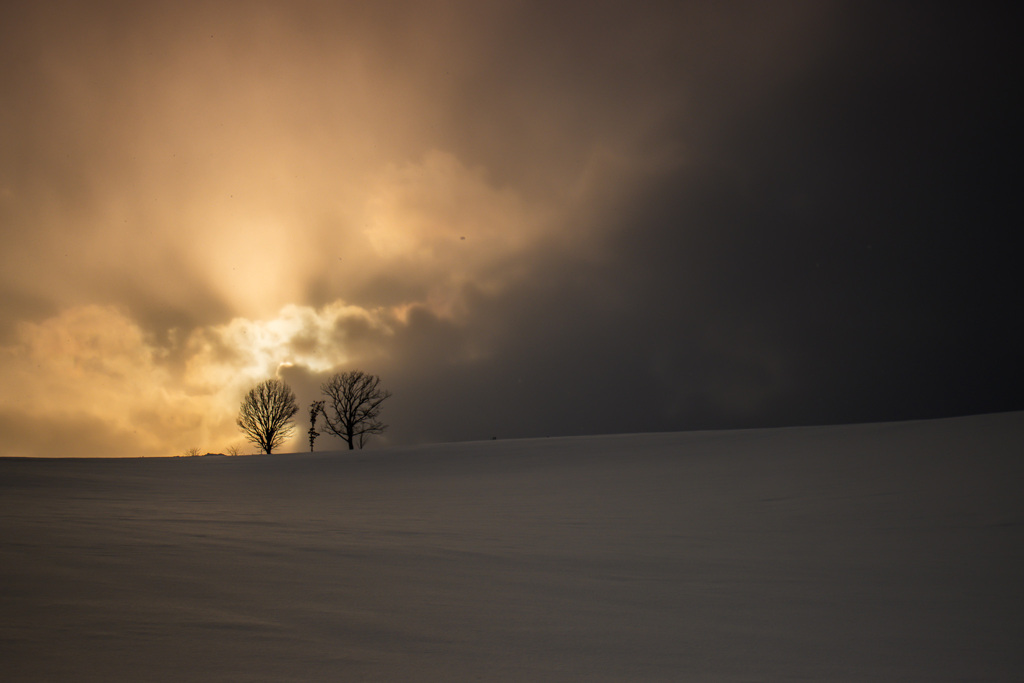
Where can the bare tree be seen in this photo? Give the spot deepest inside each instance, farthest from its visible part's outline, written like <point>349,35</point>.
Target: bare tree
<point>265,416</point>
<point>355,404</point>
<point>315,408</point>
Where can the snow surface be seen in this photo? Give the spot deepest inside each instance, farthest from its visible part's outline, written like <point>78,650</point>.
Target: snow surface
<point>869,552</point>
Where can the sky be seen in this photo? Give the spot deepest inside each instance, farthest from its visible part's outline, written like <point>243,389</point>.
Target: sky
<point>528,218</point>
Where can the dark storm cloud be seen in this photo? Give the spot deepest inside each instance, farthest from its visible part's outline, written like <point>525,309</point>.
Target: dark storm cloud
<point>866,221</point>
<point>836,249</point>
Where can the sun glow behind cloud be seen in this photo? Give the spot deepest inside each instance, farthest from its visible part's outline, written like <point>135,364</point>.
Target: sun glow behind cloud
<point>427,234</point>
<point>198,198</point>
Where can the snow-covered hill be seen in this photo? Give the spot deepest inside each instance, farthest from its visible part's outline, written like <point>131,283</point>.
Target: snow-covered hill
<point>865,552</point>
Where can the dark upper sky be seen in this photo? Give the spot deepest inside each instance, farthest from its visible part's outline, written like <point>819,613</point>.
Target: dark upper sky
<point>528,219</point>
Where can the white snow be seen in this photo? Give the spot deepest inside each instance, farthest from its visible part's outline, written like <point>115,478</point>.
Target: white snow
<point>890,552</point>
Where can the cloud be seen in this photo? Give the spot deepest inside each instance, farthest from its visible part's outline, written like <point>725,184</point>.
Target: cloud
<point>95,366</point>
<point>516,213</point>
<point>219,161</point>
<point>61,436</point>
<point>245,350</point>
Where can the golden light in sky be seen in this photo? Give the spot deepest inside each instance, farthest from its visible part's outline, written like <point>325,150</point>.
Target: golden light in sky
<point>194,197</point>
<point>202,197</point>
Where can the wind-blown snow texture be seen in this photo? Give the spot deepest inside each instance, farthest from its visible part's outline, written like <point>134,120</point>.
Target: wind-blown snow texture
<point>868,552</point>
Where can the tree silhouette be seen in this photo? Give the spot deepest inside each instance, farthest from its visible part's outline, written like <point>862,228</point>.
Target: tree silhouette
<point>355,403</point>
<point>315,408</point>
<point>265,415</point>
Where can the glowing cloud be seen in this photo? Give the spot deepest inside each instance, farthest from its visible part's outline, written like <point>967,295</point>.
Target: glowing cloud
<point>194,198</point>
<point>95,364</point>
